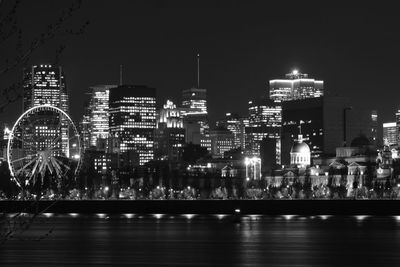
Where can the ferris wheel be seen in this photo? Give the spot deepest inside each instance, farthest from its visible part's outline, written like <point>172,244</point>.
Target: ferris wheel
<point>43,145</point>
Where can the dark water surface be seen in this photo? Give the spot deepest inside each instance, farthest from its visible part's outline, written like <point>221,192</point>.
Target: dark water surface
<point>213,240</point>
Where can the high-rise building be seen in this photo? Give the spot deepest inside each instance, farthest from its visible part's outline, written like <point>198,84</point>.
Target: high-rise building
<point>4,140</point>
<point>222,140</point>
<point>235,124</point>
<point>194,108</point>
<point>195,100</point>
<point>45,84</point>
<point>99,113</point>
<point>398,126</point>
<point>84,124</point>
<point>132,111</point>
<point>295,86</point>
<point>265,118</point>
<point>389,133</point>
<point>169,136</point>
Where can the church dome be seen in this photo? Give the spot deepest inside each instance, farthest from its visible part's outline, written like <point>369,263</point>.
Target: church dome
<point>300,148</point>
<point>360,141</point>
<point>300,154</point>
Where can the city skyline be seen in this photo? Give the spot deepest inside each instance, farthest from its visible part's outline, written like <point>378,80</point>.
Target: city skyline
<point>199,133</point>
<point>243,68</point>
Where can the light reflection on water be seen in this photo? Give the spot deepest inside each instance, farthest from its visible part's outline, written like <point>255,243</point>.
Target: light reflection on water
<point>208,240</point>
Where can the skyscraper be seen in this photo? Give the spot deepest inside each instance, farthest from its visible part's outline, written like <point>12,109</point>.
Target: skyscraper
<point>169,134</point>
<point>133,119</point>
<point>235,124</point>
<point>390,133</point>
<point>295,86</point>
<point>222,140</point>
<point>99,113</point>
<point>265,118</point>
<point>398,126</point>
<point>194,107</point>
<point>44,84</point>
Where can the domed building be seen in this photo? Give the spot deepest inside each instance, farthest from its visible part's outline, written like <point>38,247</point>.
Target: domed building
<point>360,141</point>
<point>300,153</point>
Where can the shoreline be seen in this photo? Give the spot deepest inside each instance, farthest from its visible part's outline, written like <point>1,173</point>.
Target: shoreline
<point>239,207</point>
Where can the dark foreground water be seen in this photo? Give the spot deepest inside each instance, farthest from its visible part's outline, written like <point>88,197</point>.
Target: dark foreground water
<point>213,240</point>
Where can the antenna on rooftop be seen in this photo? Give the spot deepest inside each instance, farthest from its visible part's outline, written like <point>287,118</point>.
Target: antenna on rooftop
<point>198,71</point>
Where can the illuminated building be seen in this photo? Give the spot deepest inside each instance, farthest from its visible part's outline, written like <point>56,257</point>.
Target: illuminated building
<point>206,142</point>
<point>253,168</point>
<point>133,119</point>
<point>222,140</point>
<point>398,127</point>
<point>390,133</point>
<point>296,86</point>
<point>300,154</point>
<point>44,84</point>
<point>170,115</point>
<point>169,135</point>
<point>195,100</point>
<point>265,118</point>
<point>236,125</point>
<point>99,113</point>
<point>84,124</point>
<point>194,109</point>
<point>3,141</point>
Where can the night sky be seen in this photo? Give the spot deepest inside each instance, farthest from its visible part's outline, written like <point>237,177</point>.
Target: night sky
<point>354,49</point>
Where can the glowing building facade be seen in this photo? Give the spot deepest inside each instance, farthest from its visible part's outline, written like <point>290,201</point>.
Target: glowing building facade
<point>390,133</point>
<point>195,100</point>
<point>235,124</point>
<point>300,154</point>
<point>265,119</point>
<point>133,119</point>
<point>44,84</point>
<point>398,127</point>
<point>295,86</point>
<point>194,109</point>
<point>169,133</point>
<point>222,140</point>
<point>99,113</point>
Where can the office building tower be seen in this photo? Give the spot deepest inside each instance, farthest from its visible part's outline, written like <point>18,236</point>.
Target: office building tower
<point>45,84</point>
<point>390,133</point>
<point>4,140</point>
<point>99,113</point>
<point>398,126</point>
<point>295,86</point>
<point>235,124</point>
<point>84,124</point>
<point>222,140</point>
<point>169,136</point>
<point>194,108</point>
<point>132,111</point>
<point>265,118</point>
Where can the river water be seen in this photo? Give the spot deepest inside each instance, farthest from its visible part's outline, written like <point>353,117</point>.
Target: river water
<point>212,240</point>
